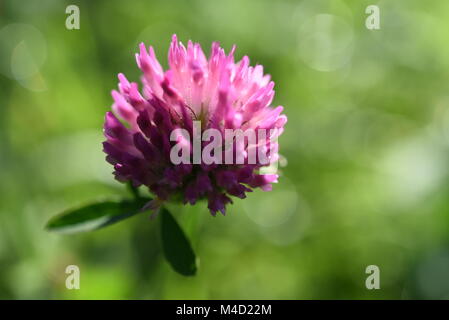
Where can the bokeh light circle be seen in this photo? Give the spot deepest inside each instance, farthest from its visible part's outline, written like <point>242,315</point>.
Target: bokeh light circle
<point>269,209</point>
<point>281,214</point>
<point>325,42</point>
<point>23,50</point>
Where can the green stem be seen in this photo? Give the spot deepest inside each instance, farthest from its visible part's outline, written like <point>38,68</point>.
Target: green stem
<point>134,191</point>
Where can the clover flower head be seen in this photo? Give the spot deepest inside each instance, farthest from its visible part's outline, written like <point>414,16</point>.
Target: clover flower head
<point>218,93</point>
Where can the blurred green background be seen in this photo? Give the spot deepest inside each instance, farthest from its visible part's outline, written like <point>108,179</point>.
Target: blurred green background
<point>366,180</point>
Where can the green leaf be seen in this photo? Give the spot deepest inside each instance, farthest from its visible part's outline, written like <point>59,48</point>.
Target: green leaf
<point>176,246</point>
<point>95,216</point>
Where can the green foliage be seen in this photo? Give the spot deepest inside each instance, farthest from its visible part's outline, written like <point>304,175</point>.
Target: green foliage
<point>177,248</point>
<point>95,216</point>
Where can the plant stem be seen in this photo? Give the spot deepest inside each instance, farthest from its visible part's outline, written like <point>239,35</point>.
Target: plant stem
<point>134,190</point>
